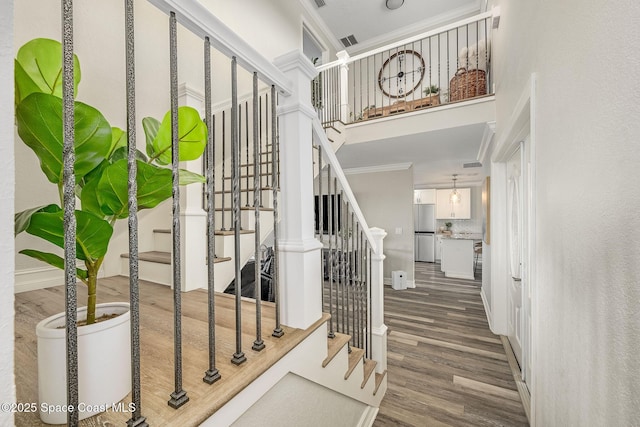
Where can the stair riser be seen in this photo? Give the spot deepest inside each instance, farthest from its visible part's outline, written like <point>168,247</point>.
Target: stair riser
<point>150,271</point>
<point>247,221</point>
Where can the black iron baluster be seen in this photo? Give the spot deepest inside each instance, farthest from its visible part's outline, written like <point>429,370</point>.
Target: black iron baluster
<point>69,201</point>
<point>238,356</point>
<point>330,228</point>
<point>224,161</point>
<point>352,280</point>
<point>258,344</point>
<point>277,331</point>
<point>266,145</point>
<point>370,297</point>
<point>179,396</point>
<point>212,374</point>
<point>134,293</point>
<point>343,266</point>
<point>246,114</point>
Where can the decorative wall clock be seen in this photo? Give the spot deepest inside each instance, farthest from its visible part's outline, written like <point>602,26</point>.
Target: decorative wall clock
<point>401,73</point>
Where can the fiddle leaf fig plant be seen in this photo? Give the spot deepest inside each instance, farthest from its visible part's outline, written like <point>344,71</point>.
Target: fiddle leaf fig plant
<point>100,162</point>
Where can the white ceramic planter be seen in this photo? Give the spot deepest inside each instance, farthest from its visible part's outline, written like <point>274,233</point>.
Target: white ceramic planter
<point>104,363</point>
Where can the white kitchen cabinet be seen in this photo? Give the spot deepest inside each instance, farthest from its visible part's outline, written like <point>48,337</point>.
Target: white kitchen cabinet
<point>424,197</point>
<point>447,210</point>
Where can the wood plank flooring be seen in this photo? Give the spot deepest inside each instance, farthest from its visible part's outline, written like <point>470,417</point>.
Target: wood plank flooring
<point>156,336</point>
<point>445,367</point>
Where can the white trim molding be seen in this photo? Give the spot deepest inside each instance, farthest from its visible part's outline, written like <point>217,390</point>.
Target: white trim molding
<point>380,168</point>
<point>487,138</point>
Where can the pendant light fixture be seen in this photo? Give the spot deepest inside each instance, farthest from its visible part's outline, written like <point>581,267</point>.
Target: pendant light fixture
<point>455,197</point>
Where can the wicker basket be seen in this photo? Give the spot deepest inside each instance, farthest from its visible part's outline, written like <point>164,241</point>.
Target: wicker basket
<point>467,84</point>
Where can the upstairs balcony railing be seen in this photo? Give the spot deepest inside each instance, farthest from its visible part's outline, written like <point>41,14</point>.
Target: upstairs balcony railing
<point>439,67</point>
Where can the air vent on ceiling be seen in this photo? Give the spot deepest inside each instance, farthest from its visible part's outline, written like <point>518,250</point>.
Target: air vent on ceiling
<point>320,3</point>
<point>349,40</point>
<point>472,165</point>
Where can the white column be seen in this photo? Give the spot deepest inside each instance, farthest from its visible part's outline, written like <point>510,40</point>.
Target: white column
<point>193,218</point>
<point>343,56</point>
<point>378,328</point>
<point>299,251</point>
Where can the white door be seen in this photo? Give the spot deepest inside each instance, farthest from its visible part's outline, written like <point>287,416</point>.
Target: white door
<point>515,249</point>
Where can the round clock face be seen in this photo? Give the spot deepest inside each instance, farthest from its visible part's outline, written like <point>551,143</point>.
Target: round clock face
<point>401,74</point>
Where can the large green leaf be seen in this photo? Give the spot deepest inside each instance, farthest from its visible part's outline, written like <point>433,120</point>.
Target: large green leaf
<point>39,119</point>
<point>89,198</point>
<point>154,186</point>
<point>150,126</point>
<point>54,260</point>
<point>41,68</point>
<point>118,140</point>
<point>186,177</point>
<point>192,137</point>
<point>92,233</point>
<point>22,219</point>
<point>123,153</point>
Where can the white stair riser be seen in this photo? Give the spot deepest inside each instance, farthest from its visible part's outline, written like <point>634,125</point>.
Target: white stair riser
<point>267,199</point>
<point>151,271</point>
<point>162,242</point>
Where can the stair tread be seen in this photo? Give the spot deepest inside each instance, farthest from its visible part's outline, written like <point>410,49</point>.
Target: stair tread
<point>162,230</point>
<point>369,367</point>
<point>356,355</point>
<point>379,378</point>
<point>335,344</point>
<point>163,257</point>
<point>231,232</point>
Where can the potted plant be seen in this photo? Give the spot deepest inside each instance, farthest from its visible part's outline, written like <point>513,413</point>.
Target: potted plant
<point>433,94</point>
<point>101,187</point>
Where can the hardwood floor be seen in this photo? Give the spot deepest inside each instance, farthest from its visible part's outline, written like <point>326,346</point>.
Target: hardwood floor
<point>156,337</point>
<point>445,367</point>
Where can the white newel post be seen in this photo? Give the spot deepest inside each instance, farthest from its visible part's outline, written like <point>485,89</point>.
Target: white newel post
<point>193,218</point>
<point>378,328</point>
<point>299,251</point>
<point>343,56</point>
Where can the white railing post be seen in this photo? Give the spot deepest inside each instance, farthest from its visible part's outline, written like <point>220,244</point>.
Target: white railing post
<point>193,218</point>
<point>299,251</point>
<point>378,328</point>
<point>343,57</point>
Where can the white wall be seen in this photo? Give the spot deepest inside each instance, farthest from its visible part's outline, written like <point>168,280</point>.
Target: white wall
<point>386,200</point>
<point>7,391</point>
<point>587,316</point>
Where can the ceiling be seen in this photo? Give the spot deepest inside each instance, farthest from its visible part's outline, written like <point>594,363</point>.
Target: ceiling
<point>435,155</point>
<point>373,24</point>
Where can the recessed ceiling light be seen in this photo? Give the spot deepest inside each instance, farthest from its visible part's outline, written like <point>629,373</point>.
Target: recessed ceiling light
<point>394,4</point>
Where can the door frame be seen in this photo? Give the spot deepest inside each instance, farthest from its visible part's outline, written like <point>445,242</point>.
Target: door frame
<point>521,126</point>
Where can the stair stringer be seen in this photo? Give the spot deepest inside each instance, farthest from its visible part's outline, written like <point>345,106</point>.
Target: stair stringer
<point>333,377</point>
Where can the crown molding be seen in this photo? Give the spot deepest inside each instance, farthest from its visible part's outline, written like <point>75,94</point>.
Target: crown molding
<point>409,30</point>
<point>317,23</point>
<point>487,139</point>
<point>380,168</point>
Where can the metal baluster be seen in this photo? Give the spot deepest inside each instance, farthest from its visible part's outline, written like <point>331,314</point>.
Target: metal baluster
<point>258,344</point>
<point>357,284</point>
<point>330,227</point>
<point>258,166</point>
<point>224,160</point>
<point>179,396</point>
<point>363,294</point>
<point>347,275</point>
<point>321,220</point>
<point>134,294</point>
<point>69,201</point>
<point>369,297</point>
<point>246,114</point>
<point>238,356</point>
<point>266,143</point>
<point>212,374</point>
<point>343,268</point>
<point>277,332</point>
<point>352,274</point>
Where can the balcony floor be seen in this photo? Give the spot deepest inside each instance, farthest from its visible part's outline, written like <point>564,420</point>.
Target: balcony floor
<point>156,336</point>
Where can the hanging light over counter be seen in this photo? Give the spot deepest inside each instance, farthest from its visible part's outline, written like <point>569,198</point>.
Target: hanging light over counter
<point>455,196</point>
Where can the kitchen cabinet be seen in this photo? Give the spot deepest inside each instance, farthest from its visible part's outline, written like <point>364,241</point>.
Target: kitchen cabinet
<point>424,197</point>
<point>447,210</point>
<point>438,247</point>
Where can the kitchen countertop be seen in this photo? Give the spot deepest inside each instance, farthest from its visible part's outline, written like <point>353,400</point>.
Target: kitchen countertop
<point>463,236</point>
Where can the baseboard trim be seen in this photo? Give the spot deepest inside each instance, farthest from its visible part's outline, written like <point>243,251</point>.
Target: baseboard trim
<point>487,309</point>
<point>31,279</point>
<point>368,417</point>
<point>523,390</point>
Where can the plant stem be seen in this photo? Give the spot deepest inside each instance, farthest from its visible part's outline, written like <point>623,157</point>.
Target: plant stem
<point>92,282</point>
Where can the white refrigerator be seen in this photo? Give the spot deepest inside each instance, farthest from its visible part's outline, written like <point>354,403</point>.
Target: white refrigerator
<point>424,218</point>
